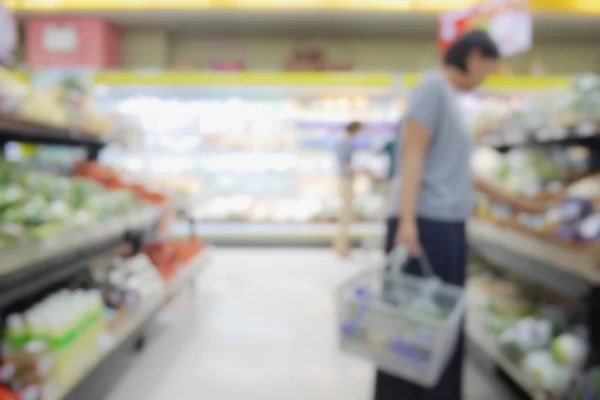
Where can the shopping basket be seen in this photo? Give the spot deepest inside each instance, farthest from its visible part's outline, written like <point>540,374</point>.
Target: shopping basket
<point>407,325</point>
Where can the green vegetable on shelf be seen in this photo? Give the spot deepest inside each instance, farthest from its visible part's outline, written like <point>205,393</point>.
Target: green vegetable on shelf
<point>38,205</point>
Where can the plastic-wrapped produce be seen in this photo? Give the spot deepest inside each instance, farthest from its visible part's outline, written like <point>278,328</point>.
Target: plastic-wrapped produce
<point>587,188</point>
<point>527,335</point>
<point>12,92</point>
<point>574,210</point>
<point>542,368</point>
<point>569,350</point>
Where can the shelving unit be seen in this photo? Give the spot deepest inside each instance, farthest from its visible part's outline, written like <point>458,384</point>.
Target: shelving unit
<point>569,270</point>
<point>477,337</point>
<point>30,269</point>
<point>585,134</point>
<point>110,341</point>
<point>14,130</point>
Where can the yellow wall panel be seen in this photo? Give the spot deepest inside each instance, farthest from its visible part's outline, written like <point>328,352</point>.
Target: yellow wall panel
<point>147,48</point>
<point>155,48</point>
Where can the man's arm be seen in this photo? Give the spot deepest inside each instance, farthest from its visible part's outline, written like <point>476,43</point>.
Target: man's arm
<point>500,195</point>
<point>415,145</point>
<point>416,141</point>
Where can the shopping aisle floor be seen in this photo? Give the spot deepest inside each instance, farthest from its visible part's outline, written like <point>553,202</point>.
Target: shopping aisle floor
<point>260,325</point>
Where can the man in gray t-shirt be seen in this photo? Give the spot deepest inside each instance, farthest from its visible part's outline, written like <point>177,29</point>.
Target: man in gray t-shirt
<point>447,185</point>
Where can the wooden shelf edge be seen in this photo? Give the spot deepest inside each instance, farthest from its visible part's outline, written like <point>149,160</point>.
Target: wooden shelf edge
<point>585,264</point>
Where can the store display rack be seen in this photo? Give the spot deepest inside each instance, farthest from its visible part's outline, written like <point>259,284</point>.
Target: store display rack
<point>29,268</point>
<point>585,134</point>
<point>111,341</point>
<point>14,130</point>
<point>569,270</point>
<point>480,342</point>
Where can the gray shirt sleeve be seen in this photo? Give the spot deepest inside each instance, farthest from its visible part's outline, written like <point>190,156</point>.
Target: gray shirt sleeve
<point>425,103</point>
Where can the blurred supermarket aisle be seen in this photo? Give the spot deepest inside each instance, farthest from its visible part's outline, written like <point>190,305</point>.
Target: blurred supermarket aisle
<point>262,327</point>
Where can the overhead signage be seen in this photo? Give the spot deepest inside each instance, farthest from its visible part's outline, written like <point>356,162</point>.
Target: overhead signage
<point>509,22</point>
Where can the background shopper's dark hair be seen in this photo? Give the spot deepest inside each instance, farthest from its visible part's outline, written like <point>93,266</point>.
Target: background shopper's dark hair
<point>354,126</point>
<point>478,40</point>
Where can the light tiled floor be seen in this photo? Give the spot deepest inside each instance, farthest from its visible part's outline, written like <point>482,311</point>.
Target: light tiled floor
<point>261,325</point>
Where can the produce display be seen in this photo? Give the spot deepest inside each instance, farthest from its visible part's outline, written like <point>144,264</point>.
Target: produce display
<point>37,205</point>
<point>126,283</point>
<point>559,177</point>
<point>111,180</point>
<point>43,345</point>
<point>18,99</point>
<point>545,341</point>
<point>169,256</point>
<point>546,116</point>
<point>65,103</point>
<point>69,304</point>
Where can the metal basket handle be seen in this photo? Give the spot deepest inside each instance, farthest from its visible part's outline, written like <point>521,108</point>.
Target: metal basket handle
<point>398,259</point>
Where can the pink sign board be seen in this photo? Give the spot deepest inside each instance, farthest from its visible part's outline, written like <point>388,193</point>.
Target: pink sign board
<point>71,42</point>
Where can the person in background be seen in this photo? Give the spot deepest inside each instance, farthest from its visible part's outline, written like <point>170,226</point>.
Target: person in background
<point>345,153</point>
<point>433,194</point>
<point>390,152</point>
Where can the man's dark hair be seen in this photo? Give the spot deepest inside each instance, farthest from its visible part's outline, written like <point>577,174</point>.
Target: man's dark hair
<point>477,40</point>
<point>353,126</point>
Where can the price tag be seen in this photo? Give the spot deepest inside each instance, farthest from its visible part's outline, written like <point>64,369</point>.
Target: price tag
<point>586,129</point>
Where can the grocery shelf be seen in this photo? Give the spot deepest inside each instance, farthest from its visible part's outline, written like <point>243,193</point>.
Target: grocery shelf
<point>28,268</point>
<point>16,130</point>
<point>275,233</point>
<point>110,342</point>
<point>478,337</point>
<point>586,134</point>
<point>567,269</point>
<point>71,241</point>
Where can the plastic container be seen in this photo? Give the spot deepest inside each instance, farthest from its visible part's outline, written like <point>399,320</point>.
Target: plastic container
<point>407,325</point>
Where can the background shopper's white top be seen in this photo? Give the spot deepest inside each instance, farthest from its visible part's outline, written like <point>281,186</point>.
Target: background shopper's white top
<point>345,153</point>
<point>447,187</point>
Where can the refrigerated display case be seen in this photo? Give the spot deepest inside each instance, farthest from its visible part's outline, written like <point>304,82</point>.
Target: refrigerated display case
<point>255,153</point>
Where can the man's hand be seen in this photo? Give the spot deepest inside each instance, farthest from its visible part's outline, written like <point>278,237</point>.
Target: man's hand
<point>529,206</point>
<point>408,235</point>
<point>501,195</point>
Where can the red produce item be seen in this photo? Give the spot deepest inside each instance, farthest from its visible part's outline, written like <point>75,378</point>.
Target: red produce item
<point>6,394</point>
<point>169,256</point>
<point>112,181</point>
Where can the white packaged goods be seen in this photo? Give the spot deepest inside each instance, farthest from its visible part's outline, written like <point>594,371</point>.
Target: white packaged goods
<point>407,325</point>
